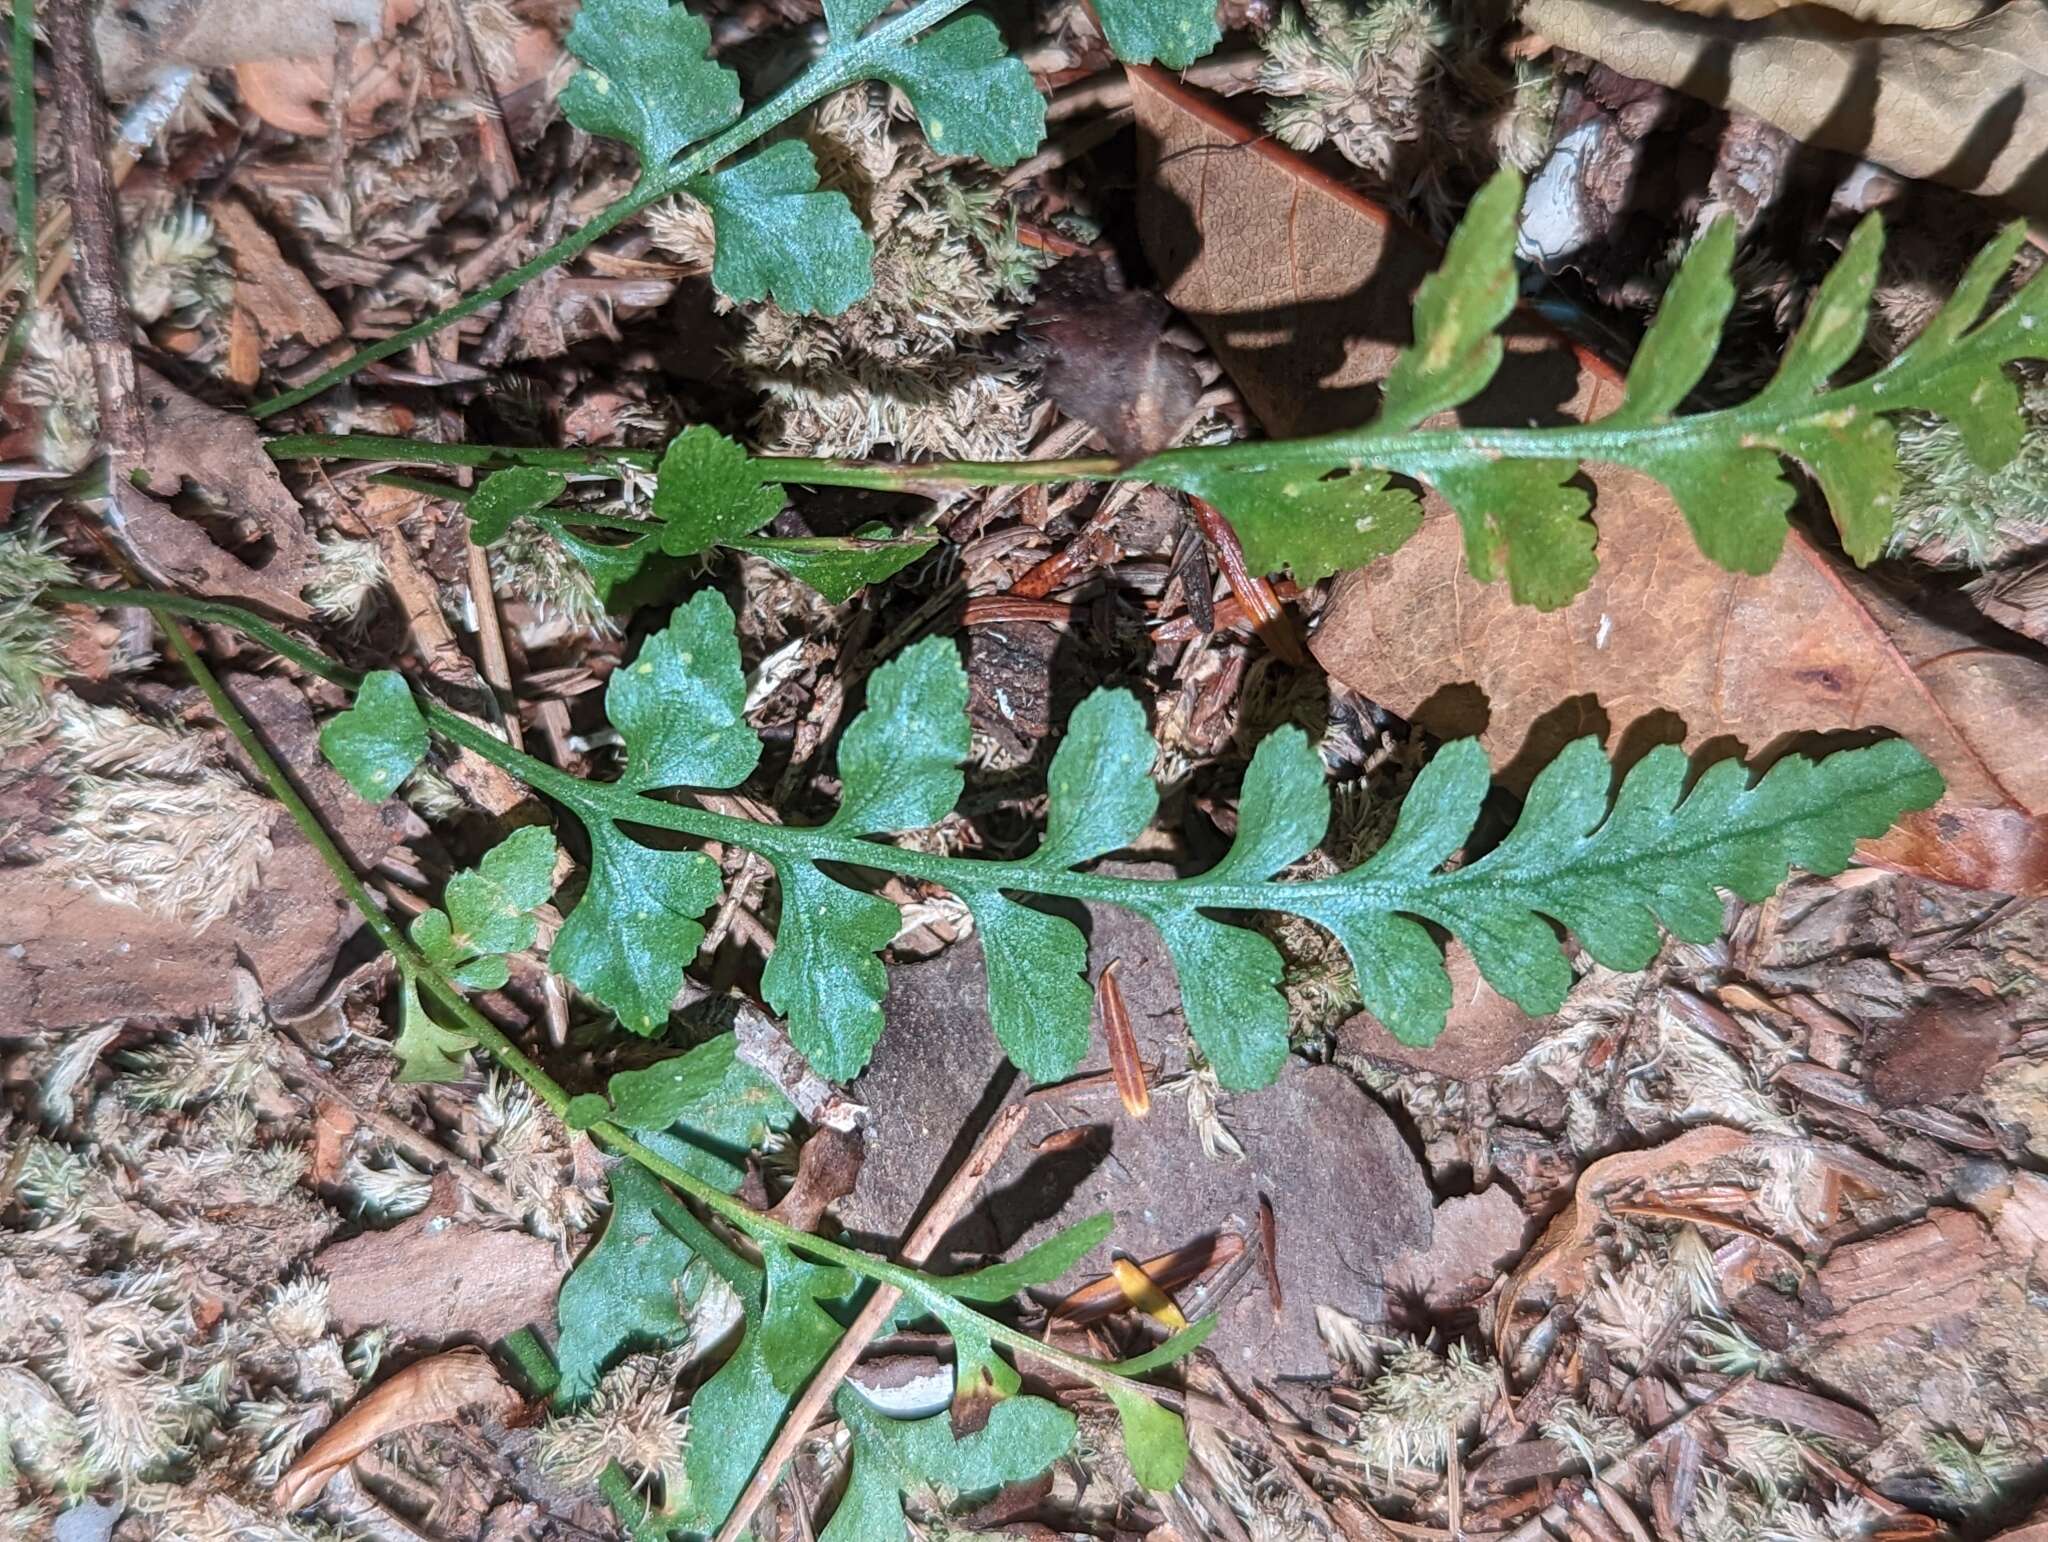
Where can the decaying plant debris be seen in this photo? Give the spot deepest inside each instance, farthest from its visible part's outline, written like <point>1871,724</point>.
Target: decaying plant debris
<point>1246,1052</point>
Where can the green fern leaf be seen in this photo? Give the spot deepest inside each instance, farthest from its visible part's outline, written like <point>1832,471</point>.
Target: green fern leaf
<point>780,239</point>
<point>971,97</point>
<point>839,567</point>
<point>702,1110</point>
<point>709,491</point>
<point>824,976</point>
<point>490,911</point>
<point>506,495</point>
<point>1174,32</point>
<point>1458,312</point>
<point>891,1457</point>
<point>1612,866</point>
<point>744,1401</point>
<point>680,705</point>
<point>636,929</point>
<point>636,1286</point>
<point>1316,504</point>
<point>378,741</point>
<point>426,1051</point>
<point>646,80</point>
<point>899,763</point>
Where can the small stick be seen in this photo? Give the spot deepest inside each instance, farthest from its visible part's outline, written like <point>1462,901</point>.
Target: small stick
<point>490,639</point>
<point>1260,603</point>
<point>102,307</point>
<point>951,1204</point>
<point>302,1068</point>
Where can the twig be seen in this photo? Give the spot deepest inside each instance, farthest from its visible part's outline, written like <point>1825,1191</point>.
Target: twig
<point>501,167</point>
<point>22,61</point>
<point>951,1204</point>
<point>102,308</point>
<point>490,641</point>
<point>1260,603</point>
<point>307,1071</point>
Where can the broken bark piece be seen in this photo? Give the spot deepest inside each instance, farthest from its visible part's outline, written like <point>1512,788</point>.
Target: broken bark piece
<point>1937,1051</point>
<point>486,1283</point>
<point>218,459</point>
<point>1911,1277</point>
<point>278,297</point>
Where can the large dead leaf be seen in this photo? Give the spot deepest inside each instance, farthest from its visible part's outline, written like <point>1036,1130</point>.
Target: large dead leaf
<point>432,1391</point>
<point>1303,288</point>
<point>1964,105</point>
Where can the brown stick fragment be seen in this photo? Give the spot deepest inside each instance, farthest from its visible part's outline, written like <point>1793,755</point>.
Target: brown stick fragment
<point>1230,612</point>
<point>102,306</point>
<point>951,1204</point>
<point>1269,1255</point>
<point>1271,619</point>
<point>1124,1062</point>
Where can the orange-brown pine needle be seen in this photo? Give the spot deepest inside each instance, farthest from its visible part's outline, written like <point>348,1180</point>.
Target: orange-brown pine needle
<point>1124,1063</point>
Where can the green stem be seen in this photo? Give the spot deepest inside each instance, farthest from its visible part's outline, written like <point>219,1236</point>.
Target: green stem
<point>22,63</point>
<point>838,69</point>
<point>927,1292</point>
<point>792,470</point>
<point>554,519</point>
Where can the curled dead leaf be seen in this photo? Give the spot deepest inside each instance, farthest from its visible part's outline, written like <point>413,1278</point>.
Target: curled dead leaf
<point>431,1392</point>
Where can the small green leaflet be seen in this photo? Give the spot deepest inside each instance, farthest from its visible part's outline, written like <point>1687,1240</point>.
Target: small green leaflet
<point>378,741</point>
<point>892,1457</point>
<point>971,99</point>
<point>634,1287</point>
<point>839,566</point>
<point>1458,312</point>
<point>426,1051</point>
<point>1174,32</point>
<point>635,930</point>
<point>490,911</point>
<point>703,1110</point>
<point>970,96</point>
<point>646,78</point>
<point>506,495</point>
<point>489,914</point>
<point>1316,505</point>
<point>680,705</point>
<point>1313,526</point>
<point>780,239</point>
<point>708,491</point>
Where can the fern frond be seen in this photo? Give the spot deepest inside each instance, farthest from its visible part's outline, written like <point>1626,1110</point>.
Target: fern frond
<point>1316,505</point>
<point>1616,866</point>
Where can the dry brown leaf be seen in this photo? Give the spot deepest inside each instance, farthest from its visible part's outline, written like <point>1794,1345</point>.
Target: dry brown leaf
<point>1302,287</point>
<point>1125,1065</point>
<point>431,1392</point>
<point>218,458</point>
<point>1963,105</point>
<point>1105,359</point>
